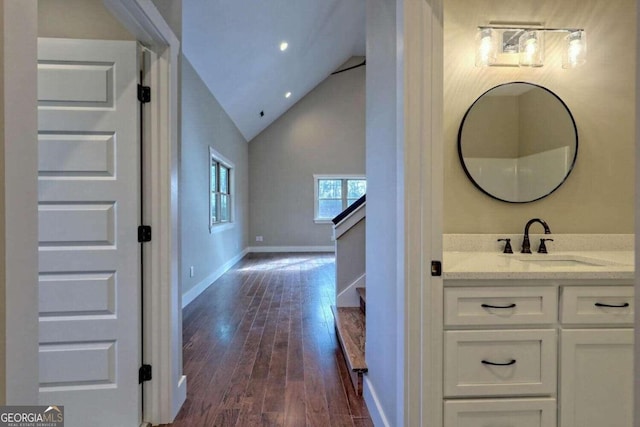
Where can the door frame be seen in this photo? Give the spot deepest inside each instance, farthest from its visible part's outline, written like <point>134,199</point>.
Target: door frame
<point>420,28</point>
<point>18,203</point>
<point>18,207</point>
<point>162,302</point>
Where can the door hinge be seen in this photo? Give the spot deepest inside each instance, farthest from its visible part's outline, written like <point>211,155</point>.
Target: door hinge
<point>144,374</point>
<point>436,268</point>
<point>144,233</point>
<point>144,94</point>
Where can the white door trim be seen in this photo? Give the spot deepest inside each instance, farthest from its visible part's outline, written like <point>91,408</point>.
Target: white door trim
<point>420,25</point>
<point>18,204</point>
<point>166,392</point>
<point>636,351</point>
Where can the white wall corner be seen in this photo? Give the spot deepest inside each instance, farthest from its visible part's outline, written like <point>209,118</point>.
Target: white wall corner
<point>349,296</point>
<point>374,406</point>
<point>202,286</point>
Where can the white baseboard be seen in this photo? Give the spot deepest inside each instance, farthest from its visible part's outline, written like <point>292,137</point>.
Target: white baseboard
<point>193,293</point>
<point>349,296</point>
<point>257,249</point>
<point>373,405</point>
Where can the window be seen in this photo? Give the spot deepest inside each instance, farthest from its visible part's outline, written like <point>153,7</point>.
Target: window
<point>334,193</point>
<point>220,193</point>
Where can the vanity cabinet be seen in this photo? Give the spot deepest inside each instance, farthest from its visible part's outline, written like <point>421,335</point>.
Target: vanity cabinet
<point>596,358</point>
<point>555,354</point>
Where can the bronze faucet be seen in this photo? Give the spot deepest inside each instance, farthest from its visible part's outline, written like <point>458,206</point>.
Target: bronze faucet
<point>526,245</point>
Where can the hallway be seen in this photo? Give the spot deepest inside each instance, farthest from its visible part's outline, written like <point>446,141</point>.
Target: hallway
<point>260,348</point>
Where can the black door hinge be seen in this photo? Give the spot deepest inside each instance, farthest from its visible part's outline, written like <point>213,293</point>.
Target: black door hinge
<point>144,374</point>
<point>144,94</point>
<point>436,268</point>
<point>144,233</point>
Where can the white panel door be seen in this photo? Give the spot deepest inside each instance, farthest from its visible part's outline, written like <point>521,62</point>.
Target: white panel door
<point>89,207</point>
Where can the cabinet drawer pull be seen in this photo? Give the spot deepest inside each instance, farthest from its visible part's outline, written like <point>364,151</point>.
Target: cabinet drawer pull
<point>511,362</point>
<point>600,304</point>
<point>498,306</point>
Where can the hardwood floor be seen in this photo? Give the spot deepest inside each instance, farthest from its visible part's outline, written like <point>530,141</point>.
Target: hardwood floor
<point>260,348</point>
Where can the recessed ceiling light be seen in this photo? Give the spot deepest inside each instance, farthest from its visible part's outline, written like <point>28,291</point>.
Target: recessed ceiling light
<point>284,46</point>
<point>287,95</point>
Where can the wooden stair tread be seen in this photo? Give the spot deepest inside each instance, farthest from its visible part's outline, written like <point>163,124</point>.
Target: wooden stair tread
<point>350,326</point>
<point>362,292</point>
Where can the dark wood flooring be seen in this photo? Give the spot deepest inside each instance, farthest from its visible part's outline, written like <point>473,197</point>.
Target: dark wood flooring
<point>260,348</point>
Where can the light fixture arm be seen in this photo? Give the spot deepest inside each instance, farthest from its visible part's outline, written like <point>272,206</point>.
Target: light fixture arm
<point>528,28</point>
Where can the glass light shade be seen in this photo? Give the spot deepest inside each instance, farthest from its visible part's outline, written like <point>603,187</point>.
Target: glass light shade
<point>531,49</point>
<point>486,47</point>
<point>575,53</point>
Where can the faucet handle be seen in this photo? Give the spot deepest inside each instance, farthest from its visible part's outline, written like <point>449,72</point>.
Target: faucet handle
<point>507,246</point>
<point>543,248</point>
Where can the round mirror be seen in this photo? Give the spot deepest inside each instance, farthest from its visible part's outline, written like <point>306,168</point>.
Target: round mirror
<point>518,142</point>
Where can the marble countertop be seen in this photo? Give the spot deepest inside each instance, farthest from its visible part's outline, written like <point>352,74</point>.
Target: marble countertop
<point>557,265</point>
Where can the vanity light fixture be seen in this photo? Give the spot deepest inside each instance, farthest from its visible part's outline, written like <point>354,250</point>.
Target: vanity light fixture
<point>494,42</point>
<point>575,53</point>
<point>487,42</point>
<point>531,49</point>
<point>284,46</point>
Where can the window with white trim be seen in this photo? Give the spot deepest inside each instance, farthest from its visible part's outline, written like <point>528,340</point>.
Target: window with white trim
<point>334,193</point>
<point>220,189</point>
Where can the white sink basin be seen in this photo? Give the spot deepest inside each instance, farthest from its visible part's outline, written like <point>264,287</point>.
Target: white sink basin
<point>551,260</point>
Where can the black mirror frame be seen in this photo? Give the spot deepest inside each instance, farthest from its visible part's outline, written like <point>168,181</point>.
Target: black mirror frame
<point>464,167</point>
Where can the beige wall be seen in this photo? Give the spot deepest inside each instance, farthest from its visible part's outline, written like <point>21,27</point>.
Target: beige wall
<point>557,130</point>
<point>322,134</point>
<point>171,11</point>
<point>492,119</point>
<point>598,195</point>
<point>204,124</point>
<point>78,19</point>
<point>507,127</point>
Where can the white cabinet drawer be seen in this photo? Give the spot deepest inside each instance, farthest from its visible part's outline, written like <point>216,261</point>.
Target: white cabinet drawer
<point>500,363</point>
<point>607,305</point>
<point>500,306</point>
<point>500,412</point>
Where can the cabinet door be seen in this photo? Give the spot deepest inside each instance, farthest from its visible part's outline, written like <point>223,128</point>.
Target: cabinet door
<point>596,378</point>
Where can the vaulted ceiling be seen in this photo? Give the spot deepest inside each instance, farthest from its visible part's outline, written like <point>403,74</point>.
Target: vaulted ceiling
<point>234,45</point>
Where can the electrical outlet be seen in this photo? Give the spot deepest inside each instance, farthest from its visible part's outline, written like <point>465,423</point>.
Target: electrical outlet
<point>192,271</point>
<point>258,238</point>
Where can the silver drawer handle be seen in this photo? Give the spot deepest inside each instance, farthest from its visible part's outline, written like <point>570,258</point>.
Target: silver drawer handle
<point>600,304</point>
<point>511,362</point>
<point>498,306</point>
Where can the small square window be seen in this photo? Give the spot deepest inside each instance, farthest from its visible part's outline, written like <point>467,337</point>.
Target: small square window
<point>333,194</point>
